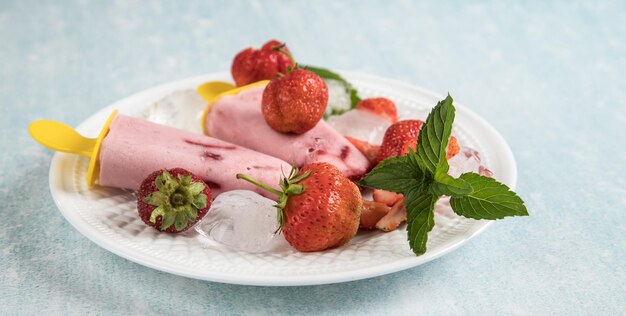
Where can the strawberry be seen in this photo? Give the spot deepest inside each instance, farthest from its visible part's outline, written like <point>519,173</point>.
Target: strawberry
<point>252,65</point>
<point>393,219</point>
<point>284,59</point>
<point>386,197</point>
<point>173,200</point>
<point>403,135</point>
<point>295,102</point>
<point>398,138</point>
<point>371,213</point>
<point>453,148</point>
<point>318,207</point>
<point>368,150</point>
<point>380,106</point>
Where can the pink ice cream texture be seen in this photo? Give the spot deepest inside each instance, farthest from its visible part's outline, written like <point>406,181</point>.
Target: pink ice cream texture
<point>238,119</point>
<point>134,148</point>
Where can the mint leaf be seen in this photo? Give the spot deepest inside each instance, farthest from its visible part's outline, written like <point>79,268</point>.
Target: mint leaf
<point>489,199</point>
<point>397,174</point>
<point>354,96</point>
<point>444,184</point>
<point>327,74</point>
<point>432,142</point>
<point>420,219</point>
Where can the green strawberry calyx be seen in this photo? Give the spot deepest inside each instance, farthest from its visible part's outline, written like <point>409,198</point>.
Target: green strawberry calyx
<point>290,185</point>
<point>177,200</point>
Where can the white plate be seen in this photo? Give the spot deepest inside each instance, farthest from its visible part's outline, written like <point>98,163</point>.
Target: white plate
<point>108,217</point>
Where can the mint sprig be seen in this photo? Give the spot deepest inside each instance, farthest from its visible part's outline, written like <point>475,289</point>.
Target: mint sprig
<point>422,177</point>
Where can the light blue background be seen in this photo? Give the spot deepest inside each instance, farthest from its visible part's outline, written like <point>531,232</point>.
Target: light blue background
<point>549,76</point>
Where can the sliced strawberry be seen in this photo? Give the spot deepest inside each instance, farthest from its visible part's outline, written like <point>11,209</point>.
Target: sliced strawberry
<point>386,197</point>
<point>368,150</point>
<point>380,106</point>
<point>371,213</point>
<point>453,148</point>
<point>393,219</point>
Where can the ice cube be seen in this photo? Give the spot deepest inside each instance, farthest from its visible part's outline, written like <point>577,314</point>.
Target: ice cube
<point>243,220</point>
<point>361,125</point>
<point>181,109</point>
<point>467,160</point>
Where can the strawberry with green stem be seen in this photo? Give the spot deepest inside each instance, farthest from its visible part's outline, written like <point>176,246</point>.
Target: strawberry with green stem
<point>318,208</point>
<point>294,102</point>
<point>173,200</point>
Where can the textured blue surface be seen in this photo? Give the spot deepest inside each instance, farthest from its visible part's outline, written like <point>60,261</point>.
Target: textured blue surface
<point>548,76</point>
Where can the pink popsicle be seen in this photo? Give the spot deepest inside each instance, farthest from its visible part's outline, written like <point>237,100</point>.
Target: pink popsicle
<point>134,148</point>
<point>238,119</point>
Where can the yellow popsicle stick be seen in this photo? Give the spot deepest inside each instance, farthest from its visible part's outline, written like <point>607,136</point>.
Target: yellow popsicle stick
<point>213,90</point>
<point>210,90</point>
<point>60,137</point>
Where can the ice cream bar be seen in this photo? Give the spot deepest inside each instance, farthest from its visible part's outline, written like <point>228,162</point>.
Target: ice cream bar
<point>237,118</point>
<point>134,148</point>
<point>129,149</point>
